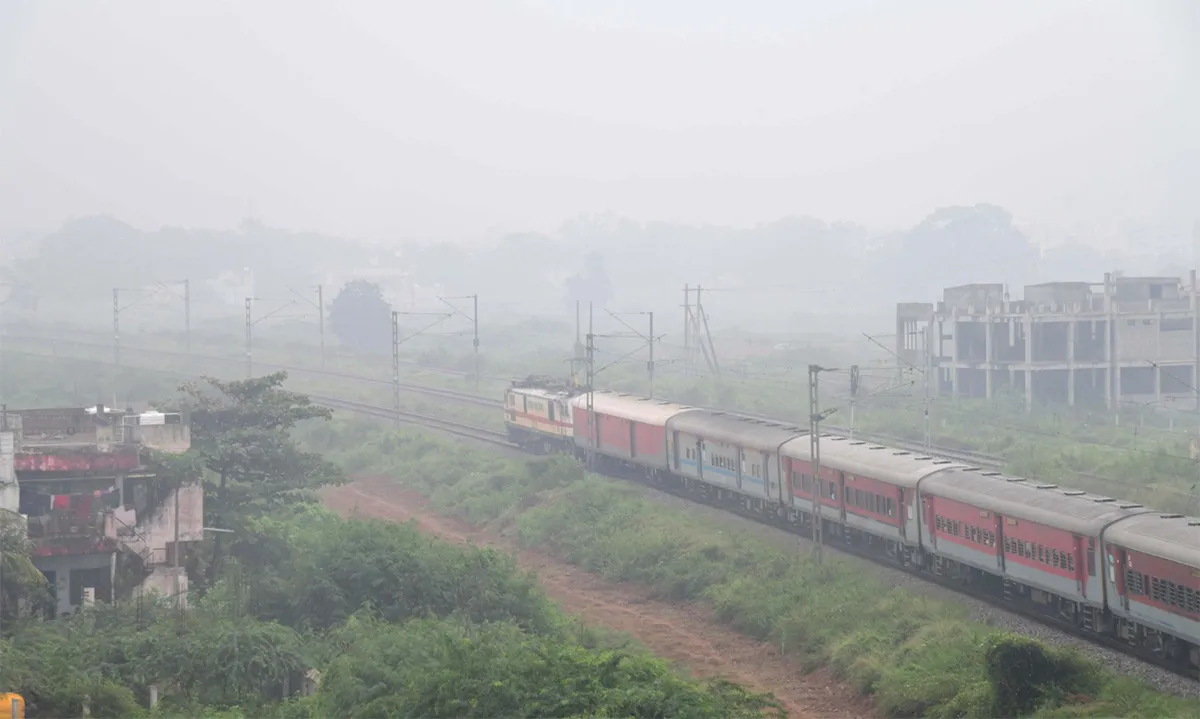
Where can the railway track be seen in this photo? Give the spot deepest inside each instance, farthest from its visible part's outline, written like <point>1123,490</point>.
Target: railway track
<point>459,429</point>
<point>500,439</point>
<point>978,459</point>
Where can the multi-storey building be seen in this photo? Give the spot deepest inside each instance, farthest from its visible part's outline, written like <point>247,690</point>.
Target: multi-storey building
<point>1127,340</point>
<point>78,478</point>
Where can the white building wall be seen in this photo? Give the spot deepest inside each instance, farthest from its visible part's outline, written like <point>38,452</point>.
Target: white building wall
<point>10,493</point>
<point>153,535</point>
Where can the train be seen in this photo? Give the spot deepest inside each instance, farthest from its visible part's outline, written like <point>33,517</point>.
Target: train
<point>1114,570</point>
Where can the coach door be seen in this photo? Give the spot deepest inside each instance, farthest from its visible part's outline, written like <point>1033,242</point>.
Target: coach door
<point>841,498</point>
<point>904,512</point>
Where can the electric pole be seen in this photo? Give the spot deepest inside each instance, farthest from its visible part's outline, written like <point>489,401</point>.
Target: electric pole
<point>650,365</point>
<point>397,340</point>
<point>321,320</point>
<point>116,327</point>
<point>814,447</point>
<point>474,319</point>
<point>475,341</point>
<point>249,336</point>
<point>187,315</point>
<point>396,364</point>
<point>853,395</point>
<point>687,321</point>
<point>593,435</point>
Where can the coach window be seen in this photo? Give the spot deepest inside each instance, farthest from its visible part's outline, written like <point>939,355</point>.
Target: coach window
<point>891,507</point>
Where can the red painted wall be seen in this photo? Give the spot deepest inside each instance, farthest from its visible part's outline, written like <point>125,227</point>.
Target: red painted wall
<point>828,474</point>
<point>874,486</point>
<point>1041,538</point>
<point>124,459</point>
<point>969,521</point>
<point>1157,567</point>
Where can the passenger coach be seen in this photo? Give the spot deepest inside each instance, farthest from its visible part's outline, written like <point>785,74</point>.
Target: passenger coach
<point>627,430</point>
<point>1043,541</point>
<point>730,455</point>
<point>1153,581</point>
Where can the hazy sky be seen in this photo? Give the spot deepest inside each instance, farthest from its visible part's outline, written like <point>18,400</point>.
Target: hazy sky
<point>453,118</point>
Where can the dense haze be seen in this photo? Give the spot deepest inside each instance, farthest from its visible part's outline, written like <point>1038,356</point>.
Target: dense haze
<point>462,119</point>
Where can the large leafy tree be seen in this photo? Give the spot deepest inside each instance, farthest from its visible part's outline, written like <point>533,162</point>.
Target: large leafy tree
<point>361,317</point>
<point>242,431</point>
<point>18,577</point>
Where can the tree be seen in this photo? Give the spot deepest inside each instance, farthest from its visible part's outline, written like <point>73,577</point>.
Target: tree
<point>242,430</point>
<point>592,286</point>
<point>18,577</point>
<point>361,317</point>
<point>958,245</point>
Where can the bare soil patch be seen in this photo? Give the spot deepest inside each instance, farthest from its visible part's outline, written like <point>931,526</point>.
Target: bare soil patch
<point>685,634</point>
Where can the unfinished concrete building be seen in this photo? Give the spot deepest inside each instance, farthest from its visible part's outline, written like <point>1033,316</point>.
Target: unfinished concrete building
<point>1126,340</point>
<point>76,479</point>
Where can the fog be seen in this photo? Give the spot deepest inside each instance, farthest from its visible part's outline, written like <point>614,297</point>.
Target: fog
<point>463,119</point>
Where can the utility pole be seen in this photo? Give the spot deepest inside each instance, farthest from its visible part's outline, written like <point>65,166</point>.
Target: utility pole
<point>249,336</point>
<point>396,364</point>
<point>187,315</point>
<point>397,340</point>
<point>853,395</point>
<point>475,341</point>
<point>928,371</point>
<point>650,365</point>
<point>814,446</point>
<point>474,318</point>
<point>116,326</point>
<point>687,320</point>
<point>593,435</point>
<point>321,320</point>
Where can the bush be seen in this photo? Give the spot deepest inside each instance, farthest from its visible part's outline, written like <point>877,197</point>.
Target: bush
<point>1025,674</point>
<point>917,655</point>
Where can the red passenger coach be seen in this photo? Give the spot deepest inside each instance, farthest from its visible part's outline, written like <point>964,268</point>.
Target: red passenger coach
<point>1042,540</point>
<point>1153,581</point>
<point>628,428</point>
<point>870,489</point>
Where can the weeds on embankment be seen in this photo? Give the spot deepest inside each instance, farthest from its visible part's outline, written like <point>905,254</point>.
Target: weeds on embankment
<point>917,656</point>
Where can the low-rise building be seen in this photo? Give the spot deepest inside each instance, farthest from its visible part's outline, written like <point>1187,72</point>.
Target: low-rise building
<point>1124,340</point>
<point>80,479</point>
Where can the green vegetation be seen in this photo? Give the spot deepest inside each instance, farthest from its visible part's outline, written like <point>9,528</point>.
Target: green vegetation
<point>916,655</point>
<point>397,624</point>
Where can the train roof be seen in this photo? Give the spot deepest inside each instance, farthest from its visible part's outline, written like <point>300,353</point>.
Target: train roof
<point>868,459</point>
<point>745,432</point>
<point>540,392</point>
<point>1048,504</point>
<point>631,406</point>
<point>1173,537</point>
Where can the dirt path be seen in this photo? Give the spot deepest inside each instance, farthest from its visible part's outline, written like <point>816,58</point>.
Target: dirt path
<point>685,634</point>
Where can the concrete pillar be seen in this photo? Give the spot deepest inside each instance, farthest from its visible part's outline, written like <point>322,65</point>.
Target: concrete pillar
<point>933,348</point>
<point>989,357</point>
<point>1109,330</point>
<point>1116,364</point>
<point>1028,320</point>
<point>1108,363</point>
<point>954,354</point>
<point>1072,325</point>
<point>1195,339</point>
